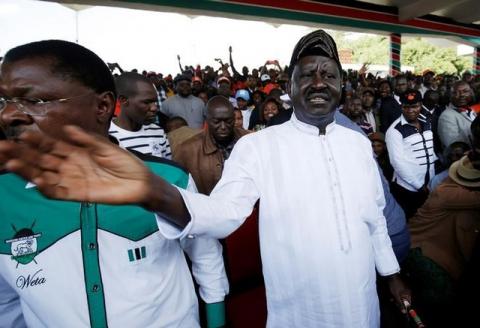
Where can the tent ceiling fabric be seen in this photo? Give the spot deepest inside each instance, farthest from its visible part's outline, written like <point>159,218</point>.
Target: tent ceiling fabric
<point>447,18</point>
<point>463,11</point>
<point>76,7</point>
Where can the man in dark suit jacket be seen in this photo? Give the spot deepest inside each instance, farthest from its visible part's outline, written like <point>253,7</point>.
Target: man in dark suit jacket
<point>390,108</point>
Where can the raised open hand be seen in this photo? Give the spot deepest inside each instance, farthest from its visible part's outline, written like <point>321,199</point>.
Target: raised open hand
<point>81,168</point>
<point>363,69</point>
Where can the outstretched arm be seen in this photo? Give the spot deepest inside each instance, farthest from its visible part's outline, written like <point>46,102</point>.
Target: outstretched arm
<point>362,73</point>
<point>91,169</point>
<point>119,68</point>
<point>114,66</point>
<point>235,72</point>
<point>180,64</point>
<point>277,64</point>
<point>264,69</point>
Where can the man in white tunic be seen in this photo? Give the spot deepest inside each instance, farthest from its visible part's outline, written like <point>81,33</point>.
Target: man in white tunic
<point>322,231</point>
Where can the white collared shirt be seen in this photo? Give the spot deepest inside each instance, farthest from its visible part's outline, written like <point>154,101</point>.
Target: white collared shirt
<point>370,118</point>
<point>246,113</point>
<point>397,99</point>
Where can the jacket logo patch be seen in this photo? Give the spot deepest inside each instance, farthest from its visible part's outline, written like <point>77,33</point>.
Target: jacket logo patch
<point>137,254</point>
<point>23,245</point>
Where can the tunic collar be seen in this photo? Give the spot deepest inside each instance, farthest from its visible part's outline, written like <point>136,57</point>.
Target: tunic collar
<point>308,128</point>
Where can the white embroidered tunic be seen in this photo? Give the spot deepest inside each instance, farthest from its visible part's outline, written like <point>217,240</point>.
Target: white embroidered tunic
<point>322,231</point>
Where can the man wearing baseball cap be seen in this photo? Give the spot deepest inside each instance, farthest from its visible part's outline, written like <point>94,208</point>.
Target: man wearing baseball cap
<point>242,97</point>
<point>223,79</point>
<point>322,232</point>
<point>267,84</point>
<point>224,88</point>
<point>265,78</point>
<point>410,148</point>
<point>428,82</point>
<point>184,104</point>
<point>197,85</point>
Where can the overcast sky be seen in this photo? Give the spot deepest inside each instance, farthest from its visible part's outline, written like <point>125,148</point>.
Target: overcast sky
<point>146,39</point>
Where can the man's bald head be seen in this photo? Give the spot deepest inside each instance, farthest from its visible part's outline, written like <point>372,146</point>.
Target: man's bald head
<point>220,119</point>
<point>216,103</point>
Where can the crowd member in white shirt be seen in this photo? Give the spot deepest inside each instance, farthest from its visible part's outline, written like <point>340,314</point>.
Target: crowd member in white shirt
<point>368,103</point>
<point>322,231</point>
<point>134,128</point>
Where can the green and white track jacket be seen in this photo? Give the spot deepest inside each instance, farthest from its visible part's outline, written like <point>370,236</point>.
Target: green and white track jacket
<point>69,264</point>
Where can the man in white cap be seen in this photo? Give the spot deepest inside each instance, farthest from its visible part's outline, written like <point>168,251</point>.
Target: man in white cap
<point>267,84</point>
<point>242,97</point>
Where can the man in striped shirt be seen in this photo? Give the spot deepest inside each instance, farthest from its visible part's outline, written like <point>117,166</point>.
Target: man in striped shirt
<point>134,128</point>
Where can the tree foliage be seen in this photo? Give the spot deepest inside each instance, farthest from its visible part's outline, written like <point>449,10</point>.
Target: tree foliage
<point>371,49</point>
<point>423,55</point>
<point>415,52</point>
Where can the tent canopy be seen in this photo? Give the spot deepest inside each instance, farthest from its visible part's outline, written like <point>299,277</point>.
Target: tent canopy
<point>457,19</point>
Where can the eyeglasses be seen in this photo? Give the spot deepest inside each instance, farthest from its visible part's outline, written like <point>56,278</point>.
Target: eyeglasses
<point>34,106</point>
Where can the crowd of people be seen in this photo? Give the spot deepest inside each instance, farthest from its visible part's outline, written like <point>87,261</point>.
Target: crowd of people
<point>366,186</point>
<point>419,125</point>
